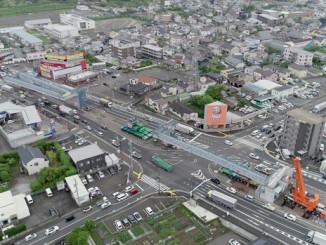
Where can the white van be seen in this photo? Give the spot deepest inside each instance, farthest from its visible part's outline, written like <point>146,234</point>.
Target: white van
<point>255,132</point>
<point>122,196</point>
<point>149,211</point>
<point>48,192</point>
<point>29,199</point>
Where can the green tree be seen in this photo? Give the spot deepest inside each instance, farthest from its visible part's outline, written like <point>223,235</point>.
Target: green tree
<point>78,236</point>
<point>12,161</point>
<point>259,28</point>
<point>195,100</point>
<point>215,91</point>
<point>207,99</point>
<point>266,62</point>
<point>270,51</point>
<point>4,176</point>
<point>285,64</point>
<point>242,102</point>
<point>89,224</point>
<point>36,185</point>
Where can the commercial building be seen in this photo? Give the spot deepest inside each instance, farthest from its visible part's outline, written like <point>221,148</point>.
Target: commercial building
<point>268,19</point>
<point>302,132</point>
<point>282,92</point>
<point>12,208</point>
<point>35,55</point>
<point>151,51</point>
<point>26,38</point>
<point>298,56</point>
<point>88,158</point>
<point>81,23</point>
<point>77,189</point>
<point>37,24</point>
<point>32,159</point>
<point>61,31</point>
<point>122,48</point>
<point>215,115</point>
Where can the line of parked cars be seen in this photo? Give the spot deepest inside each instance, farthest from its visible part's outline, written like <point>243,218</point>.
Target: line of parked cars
<point>132,218</point>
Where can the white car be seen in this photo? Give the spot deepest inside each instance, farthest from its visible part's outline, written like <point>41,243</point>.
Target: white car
<point>129,188</point>
<point>51,230</point>
<point>100,133</point>
<point>75,112</point>
<point>118,224</point>
<point>10,121</point>
<point>88,128</point>
<point>100,174</point>
<point>115,194</point>
<point>137,216</point>
<point>231,190</point>
<point>227,142</point>
<point>234,242</point>
<point>269,207</point>
<point>290,217</point>
<point>86,209</point>
<point>30,237</point>
<point>322,147</point>
<point>77,117</point>
<point>254,156</point>
<point>255,132</point>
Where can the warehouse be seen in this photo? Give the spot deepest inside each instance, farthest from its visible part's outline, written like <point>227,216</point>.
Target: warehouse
<point>61,31</point>
<point>77,189</point>
<point>26,38</point>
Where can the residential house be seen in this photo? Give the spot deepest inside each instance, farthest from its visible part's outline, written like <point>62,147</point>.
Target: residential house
<point>134,88</point>
<point>182,111</point>
<point>252,42</point>
<point>215,49</point>
<point>130,62</point>
<point>169,89</point>
<point>298,70</point>
<point>298,56</point>
<point>231,101</point>
<point>156,102</point>
<point>265,36</point>
<point>294,35</point>
<point>283,73</point>
<point>314,72</point>
<point>234,62</point>
<point>32,159</point>
<point>229,49</point>
<point>320,55</point>
<point>250,70</point>
<point>147,80</point>
<point>320,41</point>
<point>235,81</point>
<point>260,74</point>
<point>88,158</point>
<point>218,78</point>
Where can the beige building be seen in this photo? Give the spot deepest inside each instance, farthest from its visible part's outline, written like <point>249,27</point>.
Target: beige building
<point>298,56</point>
<point>298,70</point>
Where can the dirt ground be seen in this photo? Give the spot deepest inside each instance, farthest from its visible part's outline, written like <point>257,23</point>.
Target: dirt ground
<point>107,25</point>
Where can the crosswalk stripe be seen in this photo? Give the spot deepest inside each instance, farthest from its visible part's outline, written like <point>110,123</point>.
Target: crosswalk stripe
<point>152,182</point>
<point>200,145</point>
<point>250,144</point>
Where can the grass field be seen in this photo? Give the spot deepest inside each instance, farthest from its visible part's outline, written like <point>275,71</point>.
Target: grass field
<point>41,6</point>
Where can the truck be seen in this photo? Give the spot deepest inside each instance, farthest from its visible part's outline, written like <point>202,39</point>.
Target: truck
<point>106,102</point>
<point>184,129</point>
<point>320,107</point>
<point>114,158</point>
<point>315,237</point>
<point>66,110</point>
<point>222,199</point>
<point>159,162</point>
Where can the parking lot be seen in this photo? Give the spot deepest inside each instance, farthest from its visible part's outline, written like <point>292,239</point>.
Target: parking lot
<point>157,204</point>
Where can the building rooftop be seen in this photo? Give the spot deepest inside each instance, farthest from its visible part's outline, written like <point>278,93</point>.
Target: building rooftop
<point>6,199</point>
<point>152,47</point>
<point>253,87</point>
<point>76,186</point>
<point>303,116</point>
<point>28,153</point>
<point>266,84</point>
<point>27,37</point>
<point>39,21</point>
<point>85,152</point>
<point>269,17</point>
<point>29,113</point>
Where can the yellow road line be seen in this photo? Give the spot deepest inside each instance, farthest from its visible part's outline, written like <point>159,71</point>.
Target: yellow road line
<point>138,174</point>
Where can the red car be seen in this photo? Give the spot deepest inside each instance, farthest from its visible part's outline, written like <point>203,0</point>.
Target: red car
<point>133,192</point>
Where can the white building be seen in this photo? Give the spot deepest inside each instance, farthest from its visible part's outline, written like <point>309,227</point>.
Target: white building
<point>151,51</point>
<point>282,92</point>
<point>77,189</point>
<point>35,55</point>
<point>32,159</point>
<point>61,31</point>
<point>81,23</point>
<point>36,24</point>
<point>82,7</point>
<point>12,208</point>
<point>298,56</point>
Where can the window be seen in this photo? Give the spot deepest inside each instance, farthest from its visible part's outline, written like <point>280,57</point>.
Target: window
<point>81,164</point>
<point>87,162</point>
<point>36,164</point>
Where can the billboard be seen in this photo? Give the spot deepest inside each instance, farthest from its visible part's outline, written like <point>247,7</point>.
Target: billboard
<point>215,114</point>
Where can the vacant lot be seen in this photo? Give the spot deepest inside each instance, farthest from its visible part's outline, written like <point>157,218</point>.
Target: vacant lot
<point>113,24</point>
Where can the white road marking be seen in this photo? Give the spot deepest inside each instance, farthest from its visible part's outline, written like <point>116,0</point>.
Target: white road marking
<point>139,187</point>
<point>195,137</point>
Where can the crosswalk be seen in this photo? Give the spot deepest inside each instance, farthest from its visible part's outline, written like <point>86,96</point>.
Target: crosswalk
<point>249,143</point>
<point>199,144</point>
<point>153,183</point>
<point>203,189</point>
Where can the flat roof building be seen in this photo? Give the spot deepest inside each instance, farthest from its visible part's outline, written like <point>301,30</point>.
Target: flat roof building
<point>12,208</point>
<point>268,19</point>
<point>151,51</point>
<point>302,132</point>
<point>81,23</point>
<point>36,24</point>
<point>61,31</point>
<point>77,189</point>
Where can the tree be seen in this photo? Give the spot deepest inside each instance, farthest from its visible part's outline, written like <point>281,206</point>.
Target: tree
<point>215,91</point>
<point>78,236</point>
<point>285,64</point>
<point>89,224</point>
<point>207,99</point>
<point>195,100</point>
<point>270,51</point>
<point>4,176</point>
<point>265,62</point>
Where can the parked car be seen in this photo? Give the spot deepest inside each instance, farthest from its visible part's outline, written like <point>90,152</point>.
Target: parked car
<point>129,188</point>
<point>234,242</point>
<point>118,224</point>
<point>137,216</point>
<point>88,128</point>
<point>101,174</point>
<point>133,192</point>
<point>149,211</point>
<point>125,222</point>
<point>86,209</point>
<point>254,156</point>
<point>132,219</point>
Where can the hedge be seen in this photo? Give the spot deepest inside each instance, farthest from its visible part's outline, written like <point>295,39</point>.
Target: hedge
<point>15,230</point>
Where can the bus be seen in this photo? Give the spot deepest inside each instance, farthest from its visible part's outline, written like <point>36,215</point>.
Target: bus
<point>159,162</point>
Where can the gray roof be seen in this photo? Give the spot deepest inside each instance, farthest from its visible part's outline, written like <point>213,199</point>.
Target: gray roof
<point>305,117</point>
<point>85,152</point>
<point>297,67</point>
<point>295,34</point>
<point>262,241</point>
<point>180,108</point>
<point>28,153</point>
<point>265,35</point>
<point>233,61</point>
<point>253,87</point>
<point>37,22</point>
<point>27,37</point>
<point>282,88</point>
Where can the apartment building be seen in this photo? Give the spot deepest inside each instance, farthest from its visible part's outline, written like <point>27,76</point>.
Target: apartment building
<point>61,31</point>
<point>302,132</point>
<point>268,19</point>
<point>81,23</point>
<point>152,52</point>
<point>298,56</point>
<point>122,48</point>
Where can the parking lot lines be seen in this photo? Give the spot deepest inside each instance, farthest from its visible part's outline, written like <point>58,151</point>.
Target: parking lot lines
<point>154,183</point>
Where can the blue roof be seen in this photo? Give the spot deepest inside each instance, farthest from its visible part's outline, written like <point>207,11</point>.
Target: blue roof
<point>27,37</point>
<point>253,87</point>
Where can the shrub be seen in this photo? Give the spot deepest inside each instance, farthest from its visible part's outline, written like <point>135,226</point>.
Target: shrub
<point>15,230</point>
<point>4,176</point>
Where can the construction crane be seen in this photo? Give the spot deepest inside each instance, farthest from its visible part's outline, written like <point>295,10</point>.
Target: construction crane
<point>299,197</point>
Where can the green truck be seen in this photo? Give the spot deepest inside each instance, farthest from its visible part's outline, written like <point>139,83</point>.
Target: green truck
<point>159,162</point>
